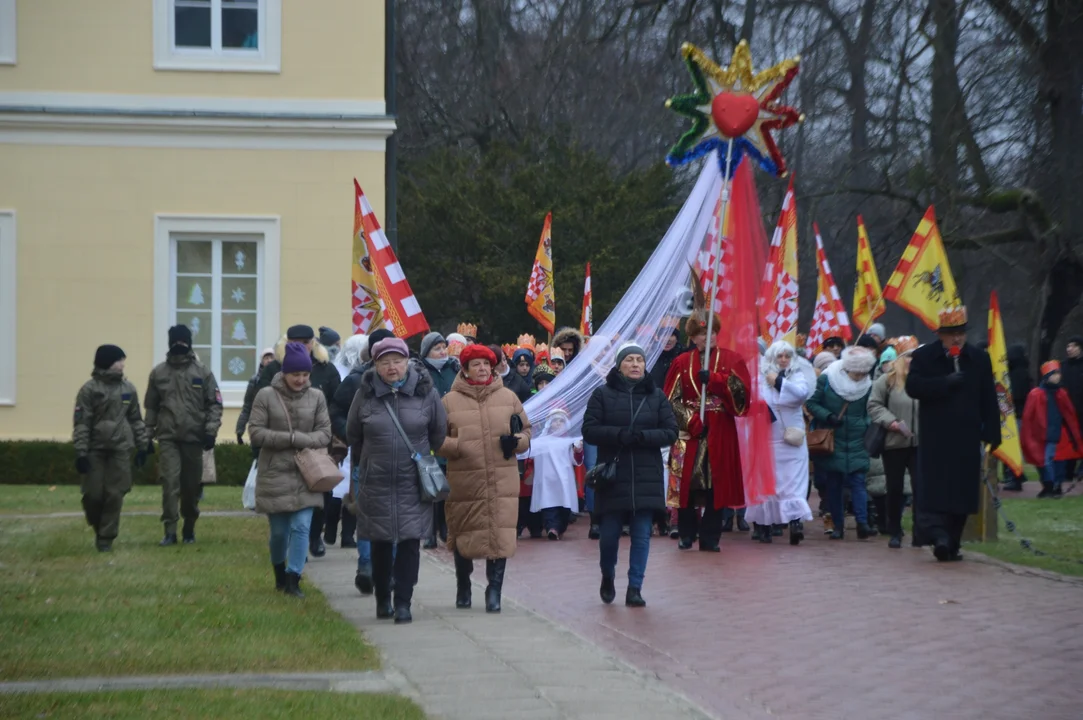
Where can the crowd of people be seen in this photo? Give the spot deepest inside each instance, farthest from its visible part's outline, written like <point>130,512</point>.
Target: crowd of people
<point>875,427</point>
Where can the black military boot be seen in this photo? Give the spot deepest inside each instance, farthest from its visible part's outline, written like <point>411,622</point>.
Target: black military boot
<point>463,569</point>
<point>169,539</point>
<point>280,576</point>
<point>797,532</point>
<point>494,571</point>
<point>188,532</point>
<point>293,586</point>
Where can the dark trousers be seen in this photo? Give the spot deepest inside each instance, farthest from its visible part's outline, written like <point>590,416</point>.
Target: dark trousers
<point>439,521</point>
<point>529,520</point>
<point>104,488</point>
<point>403,563</point>
<point>180,470</point>
<point>319,516</point>
<point>709,527</point>
<point>333,511</point>
<point>896,464</point>
<point>555,518</point>
<point>1069,469</point>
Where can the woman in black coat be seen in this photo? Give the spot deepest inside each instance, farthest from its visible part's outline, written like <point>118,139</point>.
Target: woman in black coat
<point>630,421</point>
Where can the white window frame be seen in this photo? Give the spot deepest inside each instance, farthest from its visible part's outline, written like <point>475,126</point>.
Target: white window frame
<point>268,59</point>
<point>167,227</point>
<point>8,32</point>
<point>8,310</point>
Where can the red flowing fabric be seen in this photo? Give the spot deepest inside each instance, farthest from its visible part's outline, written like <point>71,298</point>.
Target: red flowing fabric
<point>745,254</point>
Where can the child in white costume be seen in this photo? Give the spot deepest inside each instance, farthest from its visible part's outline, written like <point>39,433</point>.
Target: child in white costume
<point>555,457</point>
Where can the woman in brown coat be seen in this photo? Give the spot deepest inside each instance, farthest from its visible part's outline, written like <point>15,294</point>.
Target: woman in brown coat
<point>281,492</point>
<point>483,508</point>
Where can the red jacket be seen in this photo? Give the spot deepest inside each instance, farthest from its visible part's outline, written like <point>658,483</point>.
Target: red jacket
<point>1070,446</point>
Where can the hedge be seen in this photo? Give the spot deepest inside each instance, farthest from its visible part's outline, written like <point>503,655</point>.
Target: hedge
<point>37,462</point>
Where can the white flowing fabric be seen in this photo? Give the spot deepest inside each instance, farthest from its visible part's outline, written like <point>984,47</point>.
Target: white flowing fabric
<point>659,295</point>
<point>791,462</point>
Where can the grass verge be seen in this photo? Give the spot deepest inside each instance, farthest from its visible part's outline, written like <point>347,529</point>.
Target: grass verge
<point>67,610</point>
<point>1052,526</point>
<point>27,499</point>
<point>183,704</point>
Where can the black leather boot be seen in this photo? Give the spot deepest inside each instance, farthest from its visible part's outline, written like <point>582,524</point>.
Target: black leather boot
<point>188,532</point>
<point>403,615</point>
<point>463,568</point>
<point>607,592</point>
<point>280,576</point>
<point>727,519</point>
<point>293,586</point>
<point>797,532</point>
<point>741,524</point>
<point>494,571</point>
<point>633,598</point>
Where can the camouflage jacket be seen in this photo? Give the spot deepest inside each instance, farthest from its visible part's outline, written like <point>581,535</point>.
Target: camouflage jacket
<point>183,402</point>
<point>107,415</point>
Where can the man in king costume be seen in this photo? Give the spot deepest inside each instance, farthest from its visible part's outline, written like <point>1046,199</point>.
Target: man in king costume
<point>705,462</point>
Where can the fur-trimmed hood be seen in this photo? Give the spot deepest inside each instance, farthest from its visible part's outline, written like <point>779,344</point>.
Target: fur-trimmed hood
<point>570,335</point>
<point>319,352</point>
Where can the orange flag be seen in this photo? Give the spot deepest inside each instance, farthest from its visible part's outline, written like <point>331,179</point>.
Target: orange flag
<point>922,282</point>
<point>868,301</point>
<point>540,296</point>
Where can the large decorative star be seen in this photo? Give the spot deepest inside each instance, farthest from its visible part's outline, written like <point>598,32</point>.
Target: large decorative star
<point>734,104</point>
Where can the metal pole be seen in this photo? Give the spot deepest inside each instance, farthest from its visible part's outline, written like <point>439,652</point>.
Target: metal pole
<point>722,237</point>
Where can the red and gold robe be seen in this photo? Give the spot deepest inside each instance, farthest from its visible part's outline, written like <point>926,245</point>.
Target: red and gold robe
<point>728,397</point>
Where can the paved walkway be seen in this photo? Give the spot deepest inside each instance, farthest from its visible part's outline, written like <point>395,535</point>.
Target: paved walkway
<point>470,665</point>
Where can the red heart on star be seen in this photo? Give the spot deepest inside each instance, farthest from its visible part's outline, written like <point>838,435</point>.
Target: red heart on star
<point>734,113</point>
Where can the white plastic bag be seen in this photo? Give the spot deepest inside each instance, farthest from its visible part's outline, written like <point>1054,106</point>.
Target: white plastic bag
<point>248,495</point>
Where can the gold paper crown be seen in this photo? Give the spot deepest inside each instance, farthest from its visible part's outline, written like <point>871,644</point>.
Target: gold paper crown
<point>509,350</point>
<point>904,344</point>
<point>541,353</point>
<point>555,353</point>
<point>467,330</point>
<point>525,342</point>
<point>953,318</point>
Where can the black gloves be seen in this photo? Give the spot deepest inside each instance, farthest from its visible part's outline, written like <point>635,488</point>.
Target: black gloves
<point>150,447</point>
<point>82,465</point>
<point>626,437</point>
<point>508,443</point>
<point>834,420</point>
<point>208,442</point>
<point>140,458</point>
<point>955,380</point>
<point>704,376</point>
<point>240,438</point>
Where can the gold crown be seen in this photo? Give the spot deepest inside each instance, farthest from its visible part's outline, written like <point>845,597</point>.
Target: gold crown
<point>467,330</point>
<point>509,350</point>
<point>555,353</point>
<point>541,353</point>
<point>525,342</point>
<point>953,317</point>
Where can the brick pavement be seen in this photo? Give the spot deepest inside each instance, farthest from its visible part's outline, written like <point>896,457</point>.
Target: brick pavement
<point>827,629</point>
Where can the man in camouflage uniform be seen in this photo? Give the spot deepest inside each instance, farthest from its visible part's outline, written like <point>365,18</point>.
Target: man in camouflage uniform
<point>184,412</point>
<point>108,427</point>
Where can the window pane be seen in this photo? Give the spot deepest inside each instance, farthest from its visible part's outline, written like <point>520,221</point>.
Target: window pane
<point>194,293</point>
<point>239,293</point>
<point>239,258</point>
<point>200,325</point>
<point>238,365</point>
<point>238,329</point>
<point>194,256</point>
<point>192,23</point>
<point>240,24</point>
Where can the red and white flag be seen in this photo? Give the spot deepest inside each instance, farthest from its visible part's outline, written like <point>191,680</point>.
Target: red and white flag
<point>829,319</point>
<point>586,322</point>
<point>399,308</point>
<point>778,292</point>
<point>705,259</point>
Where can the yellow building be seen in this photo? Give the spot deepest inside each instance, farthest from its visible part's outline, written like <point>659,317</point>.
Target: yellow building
<point>166,161</point>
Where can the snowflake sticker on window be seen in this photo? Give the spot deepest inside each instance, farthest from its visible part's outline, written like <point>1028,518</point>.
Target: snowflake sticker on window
<point>236,366</point>
<point>238,295</point>
<point>240,334</point>
<point>193,325</point>
<point>195,296</point>
<point>239,259</point>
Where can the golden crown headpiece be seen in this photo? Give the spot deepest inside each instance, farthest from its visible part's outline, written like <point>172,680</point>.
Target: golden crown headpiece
<point>953,318</point>
<point>509,350</point>
<point>541,353</point>
<point>467,330</point>
<point>525,342</point>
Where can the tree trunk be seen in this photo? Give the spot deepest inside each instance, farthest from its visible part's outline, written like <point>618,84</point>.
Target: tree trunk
<point>944,110</point>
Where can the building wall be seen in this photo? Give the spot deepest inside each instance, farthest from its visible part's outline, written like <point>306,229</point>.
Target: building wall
<point>86,227</point>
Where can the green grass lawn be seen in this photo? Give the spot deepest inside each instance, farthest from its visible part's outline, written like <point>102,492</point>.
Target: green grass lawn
<point>1052,526</point>
<point>20,499</point>
<point>184,704</point>
<point>67,610</point>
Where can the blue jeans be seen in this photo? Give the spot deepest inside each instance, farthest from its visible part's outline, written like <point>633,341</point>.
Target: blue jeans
<point>859,497</point>
<point>590,459</point>
<point>609,542</point>
<point>1054,471</point>
<point>289,538</point>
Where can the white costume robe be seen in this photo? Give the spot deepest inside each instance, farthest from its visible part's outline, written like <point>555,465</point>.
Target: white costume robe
<point>791,462</point>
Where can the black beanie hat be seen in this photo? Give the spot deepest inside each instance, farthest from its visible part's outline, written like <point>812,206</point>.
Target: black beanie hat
<point>378,335</point>
<point>867,341</point>
<point>301,333</point>
<point>180,334</point>
<point>328,337</point>
<point>107,355</point>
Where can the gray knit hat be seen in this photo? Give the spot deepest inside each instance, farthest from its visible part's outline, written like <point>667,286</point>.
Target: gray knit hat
<point>429,342</point>
<point>629,349</point>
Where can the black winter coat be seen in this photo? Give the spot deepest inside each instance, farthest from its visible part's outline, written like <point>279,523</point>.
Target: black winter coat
<point>953,424</point>
<point>661,368</point>
<point>640,483</point>
<point>521,386</point>
<point>1071,371</point>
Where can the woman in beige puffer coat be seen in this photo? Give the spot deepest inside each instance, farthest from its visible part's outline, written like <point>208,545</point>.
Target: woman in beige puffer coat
<point>483,473</point>
<point>281,492</point>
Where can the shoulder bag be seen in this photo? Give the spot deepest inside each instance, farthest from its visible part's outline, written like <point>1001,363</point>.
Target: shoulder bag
<point>875,439</point>
<point>604,474</point>
<point>431,481</point>
<point>319,471</point>
<point>821,441</point>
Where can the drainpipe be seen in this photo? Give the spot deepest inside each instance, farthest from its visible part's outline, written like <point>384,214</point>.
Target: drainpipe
<point>391,228</point>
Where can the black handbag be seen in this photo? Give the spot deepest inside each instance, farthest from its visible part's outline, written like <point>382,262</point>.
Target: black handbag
<point>604,474</point>
<point>875,440</point>
<point>431,481</point>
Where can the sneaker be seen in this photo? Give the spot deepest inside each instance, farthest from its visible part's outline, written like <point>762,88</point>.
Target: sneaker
<point>552,535</point>
<point>829,524</point>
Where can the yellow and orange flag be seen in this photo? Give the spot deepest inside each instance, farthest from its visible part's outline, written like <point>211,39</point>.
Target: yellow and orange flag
<point>540,297</point>
<point>868,297</point>
<point>778,292</point>
<point>922,282</point>
<point>1010,451</point>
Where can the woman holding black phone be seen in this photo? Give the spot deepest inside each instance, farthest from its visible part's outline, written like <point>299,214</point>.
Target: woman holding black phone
<point>630,421</point>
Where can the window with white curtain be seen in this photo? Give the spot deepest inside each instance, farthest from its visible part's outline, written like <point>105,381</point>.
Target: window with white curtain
<point>239,35</point>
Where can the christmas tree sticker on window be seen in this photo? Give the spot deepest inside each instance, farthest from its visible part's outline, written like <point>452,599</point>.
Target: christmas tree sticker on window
<point>240,334</point>
<point>195,297</point>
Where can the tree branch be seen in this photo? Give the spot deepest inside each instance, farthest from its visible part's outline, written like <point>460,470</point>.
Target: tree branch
<point>1028,34</point>
<point>986,240</point>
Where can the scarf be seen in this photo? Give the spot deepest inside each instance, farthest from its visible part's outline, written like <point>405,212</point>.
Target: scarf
<point>398,384</point>
<point>474,382</point>
<point>437,363</point>
<point>844,386</point>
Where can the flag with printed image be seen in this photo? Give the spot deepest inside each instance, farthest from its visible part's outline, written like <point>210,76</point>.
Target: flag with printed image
<point>540,296</point>
<point>586,321</point>
<point>868,301</point>
<point>829,318</point>
<point>778,293</point>
<point>368,315</point>
<point>1010,451</point>
<point>922,282</point>
<point>401,312</point>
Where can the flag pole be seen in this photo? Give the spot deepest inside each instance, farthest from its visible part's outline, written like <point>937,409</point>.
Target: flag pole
<point>872,316</point>
<point>722,237</point>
